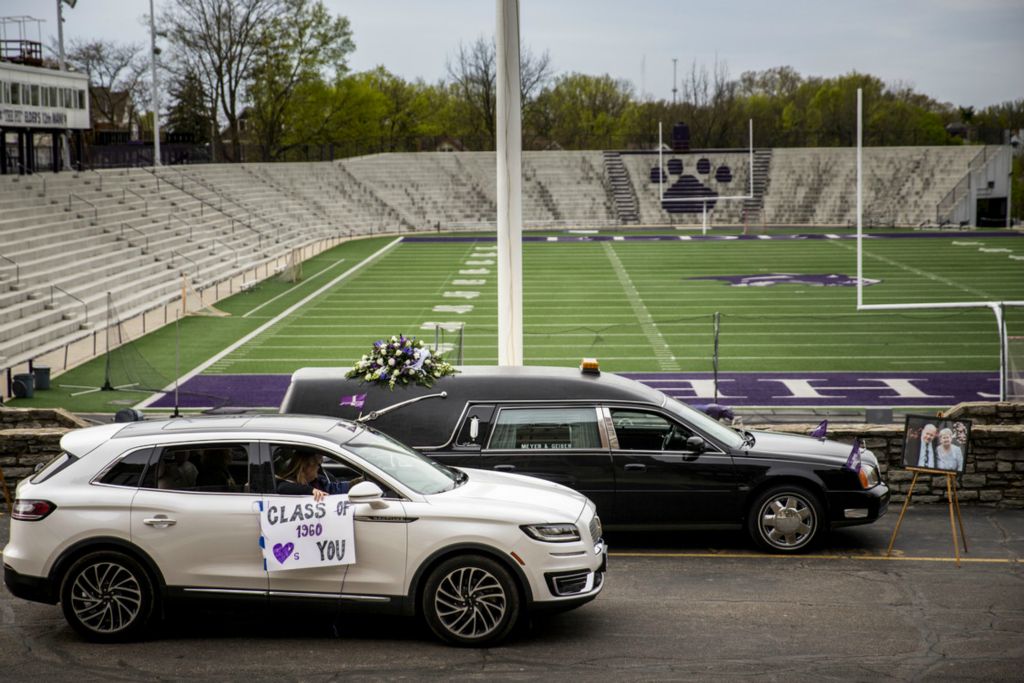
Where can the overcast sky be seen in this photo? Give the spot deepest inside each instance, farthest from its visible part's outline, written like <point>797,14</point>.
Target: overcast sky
<point>968,52</point>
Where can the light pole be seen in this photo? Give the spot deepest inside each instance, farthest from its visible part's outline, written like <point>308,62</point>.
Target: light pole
<point>156,97</point>
<point>63,67</point>
<point>674,60</point>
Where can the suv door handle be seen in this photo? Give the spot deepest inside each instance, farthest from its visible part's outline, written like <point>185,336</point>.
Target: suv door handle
<point>159,521</point>
<point>504,468</point>
<point>635,467</point>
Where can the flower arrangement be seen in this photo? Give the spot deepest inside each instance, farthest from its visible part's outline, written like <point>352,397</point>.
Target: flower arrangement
<point>401,360</point>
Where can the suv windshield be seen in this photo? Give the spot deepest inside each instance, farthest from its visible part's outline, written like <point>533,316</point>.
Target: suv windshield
<point>404,464</point>
<point>712,428</point>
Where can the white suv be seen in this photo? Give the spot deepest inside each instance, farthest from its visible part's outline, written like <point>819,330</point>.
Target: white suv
<point>104,530</point>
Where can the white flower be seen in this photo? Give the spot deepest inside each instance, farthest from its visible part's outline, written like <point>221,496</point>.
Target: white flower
<point>391,362</point>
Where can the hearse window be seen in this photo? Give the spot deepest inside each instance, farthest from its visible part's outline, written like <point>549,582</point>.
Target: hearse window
<point>475,429</point>
<point>207,468</point>
<point>128,470</point>
<point>546,428</point>
<point>642,431</point>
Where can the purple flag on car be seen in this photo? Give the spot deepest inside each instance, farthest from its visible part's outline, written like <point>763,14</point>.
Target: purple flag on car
<point>716,411</point>
<point>853,462</point>
<point>820,431</point>
<point>355,401</point>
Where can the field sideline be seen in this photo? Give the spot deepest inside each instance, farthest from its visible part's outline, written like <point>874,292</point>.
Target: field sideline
<point>641,305</point>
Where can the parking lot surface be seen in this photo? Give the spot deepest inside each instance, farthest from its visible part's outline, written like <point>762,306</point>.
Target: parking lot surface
<point>677,606</point>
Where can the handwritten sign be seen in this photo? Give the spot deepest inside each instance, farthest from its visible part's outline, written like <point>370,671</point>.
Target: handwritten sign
<point>298,533</point>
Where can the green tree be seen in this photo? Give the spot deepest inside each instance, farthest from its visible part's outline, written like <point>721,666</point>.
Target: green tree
<point>189,113</point>
<point>218,41</point>
<point>300,45</point>
<point>585,112</point>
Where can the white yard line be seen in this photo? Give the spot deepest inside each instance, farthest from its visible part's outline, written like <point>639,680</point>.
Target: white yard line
<point>662,352</point>
<point>290,289</point>
<point>917,271</point>
<point>265,326</point>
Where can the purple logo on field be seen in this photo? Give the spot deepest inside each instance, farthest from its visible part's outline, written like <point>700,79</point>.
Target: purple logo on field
<point>768,279</point>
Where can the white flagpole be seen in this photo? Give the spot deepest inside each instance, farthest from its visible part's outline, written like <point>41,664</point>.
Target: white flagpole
<point>509,186</point>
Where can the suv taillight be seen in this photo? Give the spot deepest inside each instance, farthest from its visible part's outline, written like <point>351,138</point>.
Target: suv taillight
<point>31,510</point>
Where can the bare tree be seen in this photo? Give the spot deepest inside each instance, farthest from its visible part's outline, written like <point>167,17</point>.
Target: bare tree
<point>710,103</point>
<point>116,77</point>
<point>218,40</point>
<point>474,77</point>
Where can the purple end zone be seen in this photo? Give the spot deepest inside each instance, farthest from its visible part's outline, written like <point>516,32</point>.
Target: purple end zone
<point>236,391</point>
<point>766,389</point>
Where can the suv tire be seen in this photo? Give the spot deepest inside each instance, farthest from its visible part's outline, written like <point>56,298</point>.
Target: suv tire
<point>471,601</point>
<point>107,597</point>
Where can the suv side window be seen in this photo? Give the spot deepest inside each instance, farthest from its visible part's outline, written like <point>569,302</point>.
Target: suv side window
<point>209,468</point>
<point>128,470</point>
<point>638,430</point>
<point>332,468</point>
<point>546,428</point>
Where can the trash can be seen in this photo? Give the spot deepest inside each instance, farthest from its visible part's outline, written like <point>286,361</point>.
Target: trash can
<point>42,376</point>
<point>24,385</point>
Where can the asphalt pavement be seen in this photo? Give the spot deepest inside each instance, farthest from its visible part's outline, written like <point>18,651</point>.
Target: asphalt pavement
<point>680,606</point>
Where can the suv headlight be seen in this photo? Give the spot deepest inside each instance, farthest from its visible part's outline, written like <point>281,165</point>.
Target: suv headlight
<point>552,533</point>
<point>868,475</point>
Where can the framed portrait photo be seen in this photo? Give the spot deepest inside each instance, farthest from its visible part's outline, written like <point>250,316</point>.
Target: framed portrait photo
<point>934,443</point>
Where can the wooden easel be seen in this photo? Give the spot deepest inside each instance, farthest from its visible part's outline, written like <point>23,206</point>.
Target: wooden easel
<point>954,509</point>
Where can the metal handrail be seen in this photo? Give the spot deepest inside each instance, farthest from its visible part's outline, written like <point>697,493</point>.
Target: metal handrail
<point>144,235</point>
<point>95,211</point>
<point>17,268</point>
<point>64,291</point>
<point>229,248</point>
<point>93,170</point>
<point>944,209</point>
<point>193,261</point>
<point>145,202</point>
<point>180,220</point>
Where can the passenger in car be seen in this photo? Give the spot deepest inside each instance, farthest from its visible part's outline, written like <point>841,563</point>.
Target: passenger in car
<point>302,477</point>
<point>213,470</point>
<point>176,472</point>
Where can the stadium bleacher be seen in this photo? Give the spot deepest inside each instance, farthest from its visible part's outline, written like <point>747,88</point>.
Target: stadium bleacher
<point>68,239</point>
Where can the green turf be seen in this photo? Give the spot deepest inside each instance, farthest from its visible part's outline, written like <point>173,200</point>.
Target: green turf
<point>200,337</point>
<point>631,304</point>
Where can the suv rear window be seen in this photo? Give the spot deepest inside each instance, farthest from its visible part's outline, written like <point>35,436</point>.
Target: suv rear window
<point>58,464</point>
<point>128,470</point>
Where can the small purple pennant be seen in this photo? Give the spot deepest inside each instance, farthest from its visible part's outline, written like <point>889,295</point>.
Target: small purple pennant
<point>283,551</point>
<point>821,430</point>
<point>853,462</point>
<point>356,401</point>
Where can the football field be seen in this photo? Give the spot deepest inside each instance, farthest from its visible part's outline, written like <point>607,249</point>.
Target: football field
<point>649,305</point>
<point>639,303</point>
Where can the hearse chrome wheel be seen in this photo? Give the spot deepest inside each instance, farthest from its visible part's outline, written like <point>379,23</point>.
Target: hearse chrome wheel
<point>471,600</point>
<point>106,596</point>
<point>785,519</point>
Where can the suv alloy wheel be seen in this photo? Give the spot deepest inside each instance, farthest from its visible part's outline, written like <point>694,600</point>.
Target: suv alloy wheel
<point>471,600</point>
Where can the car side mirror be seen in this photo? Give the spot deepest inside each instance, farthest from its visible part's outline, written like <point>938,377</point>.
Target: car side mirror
<point>695,444</point>
<point>367,492</point>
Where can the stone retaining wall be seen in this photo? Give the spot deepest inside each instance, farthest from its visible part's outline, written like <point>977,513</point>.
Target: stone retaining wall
<point>993,474</point>
<point>29,437</point>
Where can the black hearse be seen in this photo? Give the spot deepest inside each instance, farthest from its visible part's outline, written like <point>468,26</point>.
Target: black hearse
<point>647,460</point>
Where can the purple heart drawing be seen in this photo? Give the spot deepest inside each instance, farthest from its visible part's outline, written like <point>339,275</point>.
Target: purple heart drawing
<point>282,551</point>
